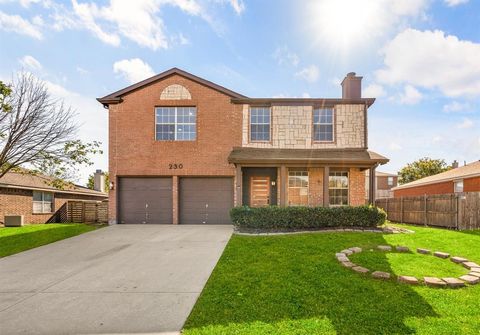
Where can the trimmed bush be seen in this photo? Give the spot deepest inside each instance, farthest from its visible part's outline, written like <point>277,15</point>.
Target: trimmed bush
<point>306,218</point>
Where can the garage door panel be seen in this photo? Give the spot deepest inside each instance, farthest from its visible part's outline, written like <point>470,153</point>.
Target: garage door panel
<point>196,193</point>
<point>145,200</point>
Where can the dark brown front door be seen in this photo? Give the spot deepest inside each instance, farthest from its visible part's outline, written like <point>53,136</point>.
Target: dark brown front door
<point>145,200</point>
<point>259,191</point>
<point>205,200</point>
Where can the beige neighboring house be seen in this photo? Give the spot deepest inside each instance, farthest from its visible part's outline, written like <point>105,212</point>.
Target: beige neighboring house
<point>33,196</point>
<point>384,182</point>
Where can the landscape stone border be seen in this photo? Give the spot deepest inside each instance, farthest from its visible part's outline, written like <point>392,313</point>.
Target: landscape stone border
<point>472,278</point>
<point>383,230</point>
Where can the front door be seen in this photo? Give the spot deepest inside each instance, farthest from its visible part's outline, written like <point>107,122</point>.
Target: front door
<point>259,191</point>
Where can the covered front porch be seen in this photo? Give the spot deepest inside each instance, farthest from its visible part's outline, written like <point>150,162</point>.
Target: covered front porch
<point>303,177</point>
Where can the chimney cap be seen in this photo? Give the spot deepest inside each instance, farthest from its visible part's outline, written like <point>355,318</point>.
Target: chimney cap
<point>351,74</point>
<point>98,171</point>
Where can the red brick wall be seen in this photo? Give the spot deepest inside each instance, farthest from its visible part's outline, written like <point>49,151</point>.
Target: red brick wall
<point>315,186</point>
<point>439,188</point>
<point>20,202</point>
<point>471,184</point>
<point>357,187</point>
<point>134,151</point>
<point>382,183</point>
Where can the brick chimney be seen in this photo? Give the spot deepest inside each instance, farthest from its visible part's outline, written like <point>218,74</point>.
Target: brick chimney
<point>352,86</point>
<point>99,181</point>
<point>454,164</point>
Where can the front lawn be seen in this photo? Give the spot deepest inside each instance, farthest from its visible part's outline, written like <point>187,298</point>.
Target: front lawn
<point>293,284</point>
<point>17,239</point>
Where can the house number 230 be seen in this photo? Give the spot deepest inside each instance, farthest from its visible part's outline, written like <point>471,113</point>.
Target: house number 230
<point>175,166</point>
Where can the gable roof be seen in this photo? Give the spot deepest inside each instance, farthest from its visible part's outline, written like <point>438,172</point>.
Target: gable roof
<point>116,97</point>
<point>41,183</point>
<point>466,171</point>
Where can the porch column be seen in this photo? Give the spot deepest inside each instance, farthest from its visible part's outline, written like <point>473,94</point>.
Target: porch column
<point>283,185</point>
<point>326,198</point>
<point>238,185</point>
<point>372,185</point>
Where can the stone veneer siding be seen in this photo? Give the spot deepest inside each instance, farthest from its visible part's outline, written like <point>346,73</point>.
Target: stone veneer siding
<point>291,128</point>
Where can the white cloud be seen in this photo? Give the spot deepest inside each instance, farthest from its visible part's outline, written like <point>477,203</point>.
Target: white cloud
<point>395,146</point>
<point>347,24</point>
<point>82,71</point>
<point>410,95</point>
<point>373,91</point>
<point>284,56</point>
<point>465,124</point>
<point>452,3</point>
<point>19,25</point>
<point>455,106</point>
<point>238,6</point>
<point>434,61</point>
<point>133,70</point>
<point>309,73</point>
<point>30,63</point>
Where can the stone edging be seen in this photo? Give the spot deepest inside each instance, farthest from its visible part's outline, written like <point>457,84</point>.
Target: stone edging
<point>472,278</point>
<point>384,230</point>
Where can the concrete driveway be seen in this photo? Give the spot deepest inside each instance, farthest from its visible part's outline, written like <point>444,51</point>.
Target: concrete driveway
<point>120,279</point>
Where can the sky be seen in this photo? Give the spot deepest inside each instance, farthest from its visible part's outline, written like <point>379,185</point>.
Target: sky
<point>419,58</point>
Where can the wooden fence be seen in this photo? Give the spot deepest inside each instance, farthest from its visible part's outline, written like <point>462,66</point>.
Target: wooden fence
<point>457,211</point>
<point>82,211</point>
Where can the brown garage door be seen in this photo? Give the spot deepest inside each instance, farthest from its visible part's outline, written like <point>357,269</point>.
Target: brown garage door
<point>145,200</point>
<point>205,200</point>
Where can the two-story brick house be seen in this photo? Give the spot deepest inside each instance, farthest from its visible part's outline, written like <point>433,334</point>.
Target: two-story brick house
<point>185,150</point>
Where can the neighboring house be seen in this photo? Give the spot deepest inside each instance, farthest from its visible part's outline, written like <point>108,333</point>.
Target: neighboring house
<point>383,185</point>
<point>33,197</point>
<point>185,150</point>
<point>462,179</point>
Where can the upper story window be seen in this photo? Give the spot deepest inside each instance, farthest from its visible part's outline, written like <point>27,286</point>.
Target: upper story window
<point>176,123</point>
<point>390,181</point>
<point>260,118</point>
<point>323,124</point>
<point>42,202</point>
<point>459,186</point>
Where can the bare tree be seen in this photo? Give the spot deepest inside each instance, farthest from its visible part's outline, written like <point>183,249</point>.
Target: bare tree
<point>38,130</point>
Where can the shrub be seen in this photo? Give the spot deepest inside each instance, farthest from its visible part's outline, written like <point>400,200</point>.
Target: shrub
<point>305,218</point>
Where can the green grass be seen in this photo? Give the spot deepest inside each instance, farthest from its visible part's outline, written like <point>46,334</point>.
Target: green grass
<point>293,285</point>
<point>17,239</point>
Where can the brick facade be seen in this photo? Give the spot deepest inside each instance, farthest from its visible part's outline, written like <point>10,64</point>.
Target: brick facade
<point>222,124</point>
<point>357,187</point>
<point>446,187</point>
<point>20,202</point>
<point>133,150</point>
<point>315,186</point>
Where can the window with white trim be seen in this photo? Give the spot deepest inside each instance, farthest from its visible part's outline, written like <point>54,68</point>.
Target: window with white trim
<point>176,123</point>
<point>260,118</point>
<point>323,124</point>
<point>459,186</point>
<point>42,202</point>
<point>338,188</point>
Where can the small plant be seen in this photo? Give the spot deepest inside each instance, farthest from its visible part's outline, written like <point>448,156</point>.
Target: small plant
<point>306,218</point>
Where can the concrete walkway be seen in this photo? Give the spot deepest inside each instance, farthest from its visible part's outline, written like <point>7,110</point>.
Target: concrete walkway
<point>122,279</point>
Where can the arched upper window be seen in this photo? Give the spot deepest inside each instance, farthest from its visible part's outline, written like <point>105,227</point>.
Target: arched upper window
<point>175,92</point>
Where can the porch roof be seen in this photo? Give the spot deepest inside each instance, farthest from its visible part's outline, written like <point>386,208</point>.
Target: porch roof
<point>308,156</point>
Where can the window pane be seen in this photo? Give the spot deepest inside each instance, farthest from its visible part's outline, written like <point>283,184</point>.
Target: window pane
<point>323,124</point>
<point>47,196</point>
<point>338,188</point>
<point>176,123</point>
<point>260,124</point>
<point>37,196</point>
<point>37,207</point>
